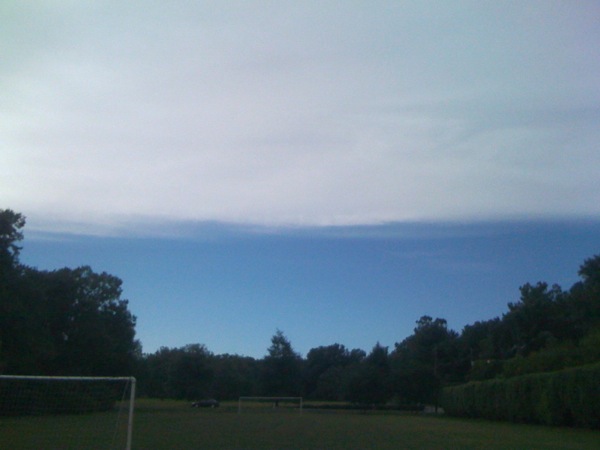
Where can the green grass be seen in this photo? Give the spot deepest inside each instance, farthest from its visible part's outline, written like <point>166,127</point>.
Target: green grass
<point>83,431</point>
<point>174,425</point>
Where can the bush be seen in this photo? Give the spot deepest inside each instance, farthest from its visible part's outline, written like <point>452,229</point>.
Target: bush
<point>566,398</point>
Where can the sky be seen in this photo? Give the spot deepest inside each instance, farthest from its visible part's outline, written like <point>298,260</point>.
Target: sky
<point>245,166</point>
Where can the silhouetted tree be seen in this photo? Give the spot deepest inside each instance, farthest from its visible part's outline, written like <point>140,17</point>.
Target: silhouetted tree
<point>282,368</point>
<point>424,360</point>
<point>370,385</point>
<point>234,376</point>
<point>584,299</point>
<point>11,224</point>
<point>328,360</point>
<point>535,321</point>
<point>69,321</point>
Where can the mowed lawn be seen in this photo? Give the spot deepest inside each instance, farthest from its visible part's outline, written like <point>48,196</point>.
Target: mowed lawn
<point>166,425</point>
<point>174,425</point>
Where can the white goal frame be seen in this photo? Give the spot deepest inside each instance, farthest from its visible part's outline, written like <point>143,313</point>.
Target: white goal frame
<point>131,380</point>
<point>274,400</point>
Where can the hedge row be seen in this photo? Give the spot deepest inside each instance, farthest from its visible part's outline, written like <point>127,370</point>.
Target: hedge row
<point>565,398</point>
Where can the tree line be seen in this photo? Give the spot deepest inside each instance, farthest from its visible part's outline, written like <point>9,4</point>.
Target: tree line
<point>73,321</point>
<point>60,322</point>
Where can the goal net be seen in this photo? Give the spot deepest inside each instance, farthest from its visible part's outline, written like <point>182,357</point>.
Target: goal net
<point>270,404</point>
<point>66,412</point>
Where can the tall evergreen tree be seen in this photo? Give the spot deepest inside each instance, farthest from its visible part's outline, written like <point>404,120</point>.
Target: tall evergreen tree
<point>282,368</point>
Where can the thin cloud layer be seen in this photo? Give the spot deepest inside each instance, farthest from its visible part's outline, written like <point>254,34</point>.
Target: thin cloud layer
<point>299,113</point>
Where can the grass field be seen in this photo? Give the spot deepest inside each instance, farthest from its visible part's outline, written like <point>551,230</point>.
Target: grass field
<point>174,425</point>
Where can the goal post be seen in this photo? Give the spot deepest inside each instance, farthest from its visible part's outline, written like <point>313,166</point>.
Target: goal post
<point>276,402</point>
<point>88,412</point>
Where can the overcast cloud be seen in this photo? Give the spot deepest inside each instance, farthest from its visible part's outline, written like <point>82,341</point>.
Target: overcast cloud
<point>298,113</point>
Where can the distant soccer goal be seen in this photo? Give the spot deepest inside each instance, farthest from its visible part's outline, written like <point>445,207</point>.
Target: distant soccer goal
<point>270,403</point>
<point>66,412</point>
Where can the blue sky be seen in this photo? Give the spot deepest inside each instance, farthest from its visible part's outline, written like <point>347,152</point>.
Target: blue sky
<point>231,289</point>
<point>322,160</point>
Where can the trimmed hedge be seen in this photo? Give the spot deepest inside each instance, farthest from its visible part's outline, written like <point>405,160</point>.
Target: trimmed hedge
<point>565,398</point>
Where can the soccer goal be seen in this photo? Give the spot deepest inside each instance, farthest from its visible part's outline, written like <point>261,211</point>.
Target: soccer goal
<point>66,412</point>
<point>270,403</point>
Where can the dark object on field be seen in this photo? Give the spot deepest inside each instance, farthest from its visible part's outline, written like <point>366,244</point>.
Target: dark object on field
<point>207,403</point>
